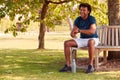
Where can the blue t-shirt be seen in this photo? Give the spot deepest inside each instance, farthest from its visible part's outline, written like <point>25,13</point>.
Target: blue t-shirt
<point>84,25</point>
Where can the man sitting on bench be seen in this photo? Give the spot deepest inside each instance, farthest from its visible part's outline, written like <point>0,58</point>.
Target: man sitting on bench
<point>85,24</point>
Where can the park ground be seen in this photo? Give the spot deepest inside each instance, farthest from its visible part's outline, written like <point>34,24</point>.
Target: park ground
<point>21,60</point>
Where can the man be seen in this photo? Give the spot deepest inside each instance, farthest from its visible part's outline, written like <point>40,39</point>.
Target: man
<point>85,24</point>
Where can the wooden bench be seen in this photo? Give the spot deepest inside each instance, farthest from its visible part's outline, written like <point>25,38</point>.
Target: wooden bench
<point>109,37</point>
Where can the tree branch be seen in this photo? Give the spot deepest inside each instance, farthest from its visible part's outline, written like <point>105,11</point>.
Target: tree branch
<point>60,1</point>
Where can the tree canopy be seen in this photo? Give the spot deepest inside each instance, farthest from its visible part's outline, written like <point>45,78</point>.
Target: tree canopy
<point>48,12</point>
<point>58,10</point>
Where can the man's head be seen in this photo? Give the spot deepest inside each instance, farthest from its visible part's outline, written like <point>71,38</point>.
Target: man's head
<point>85,9</point>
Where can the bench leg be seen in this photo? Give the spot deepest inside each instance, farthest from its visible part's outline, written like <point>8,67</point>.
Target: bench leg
<point>96,59</point>
<point>71,55</point>
<point>105,56</point>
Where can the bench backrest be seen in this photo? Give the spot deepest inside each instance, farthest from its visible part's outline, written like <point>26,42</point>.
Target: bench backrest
<point>109,35</point>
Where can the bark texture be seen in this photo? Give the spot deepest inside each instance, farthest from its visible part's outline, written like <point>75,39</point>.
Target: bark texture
<point>114,19</point>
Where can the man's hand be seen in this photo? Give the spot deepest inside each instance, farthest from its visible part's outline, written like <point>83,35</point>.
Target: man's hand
<point>74,32</point>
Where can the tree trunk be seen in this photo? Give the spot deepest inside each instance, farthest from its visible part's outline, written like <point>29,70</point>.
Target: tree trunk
<point>42,25</point>
<point>114,19</point>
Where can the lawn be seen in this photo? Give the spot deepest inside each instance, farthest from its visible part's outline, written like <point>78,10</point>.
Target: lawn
<point>20,60</point>
<point>33,64</point>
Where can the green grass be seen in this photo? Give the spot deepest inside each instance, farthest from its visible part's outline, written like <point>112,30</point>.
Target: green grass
<point>33,64</point>
<point>20,59</point>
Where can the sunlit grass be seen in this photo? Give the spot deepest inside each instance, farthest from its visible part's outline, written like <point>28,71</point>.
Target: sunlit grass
<point>30,41</point>
<point>33,64</point>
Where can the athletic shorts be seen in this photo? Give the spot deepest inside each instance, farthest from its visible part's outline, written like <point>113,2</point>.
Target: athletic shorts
<point>84,42</point>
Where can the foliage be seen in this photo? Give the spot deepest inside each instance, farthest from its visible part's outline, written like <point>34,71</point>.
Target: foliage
<point>30,10</point>
<point>26,11</point>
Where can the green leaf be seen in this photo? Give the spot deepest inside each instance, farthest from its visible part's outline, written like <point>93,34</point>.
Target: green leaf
<point>20,18</point>
<point>6,31</point>
<point>23,29</point>
<point>15,33</point>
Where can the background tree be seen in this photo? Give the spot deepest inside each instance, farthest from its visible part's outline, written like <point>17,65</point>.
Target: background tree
<point>42,17</point>
<point>114,19</point>
<point>50,11</point>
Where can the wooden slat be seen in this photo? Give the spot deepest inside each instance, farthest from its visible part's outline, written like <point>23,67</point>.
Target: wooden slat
<point>108,47</point>
<point>112,36</point>
<point>109,36</point>
<point>105,42</point>
<point>114,26</point>
<point>102,36</point>
<point>99,33</point>
<point>116,35</point>
<point>119,37</point>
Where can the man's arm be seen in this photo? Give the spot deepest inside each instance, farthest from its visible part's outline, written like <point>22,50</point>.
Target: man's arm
<point>89,31</point>
<point>74,32</point>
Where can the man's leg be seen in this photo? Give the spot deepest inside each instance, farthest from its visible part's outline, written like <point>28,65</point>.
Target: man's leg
<point>91,51</point>
<point>67,45</point>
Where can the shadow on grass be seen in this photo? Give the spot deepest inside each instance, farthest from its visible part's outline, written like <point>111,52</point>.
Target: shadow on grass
<point>43,64</point>
<point>30,60</point>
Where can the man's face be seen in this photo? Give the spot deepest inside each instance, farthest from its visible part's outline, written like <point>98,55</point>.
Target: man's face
<point>84,12</point>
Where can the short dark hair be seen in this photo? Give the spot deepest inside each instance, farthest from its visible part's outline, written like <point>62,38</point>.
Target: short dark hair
<point>86,5</point>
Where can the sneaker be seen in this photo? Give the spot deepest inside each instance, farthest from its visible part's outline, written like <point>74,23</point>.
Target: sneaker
<point>65,69</point>
<point>90,69</point>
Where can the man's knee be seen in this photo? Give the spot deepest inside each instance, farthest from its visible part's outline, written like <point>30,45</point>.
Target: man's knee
<point>66,43</point>
<point>70,43</point>
<point>91,42</point>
